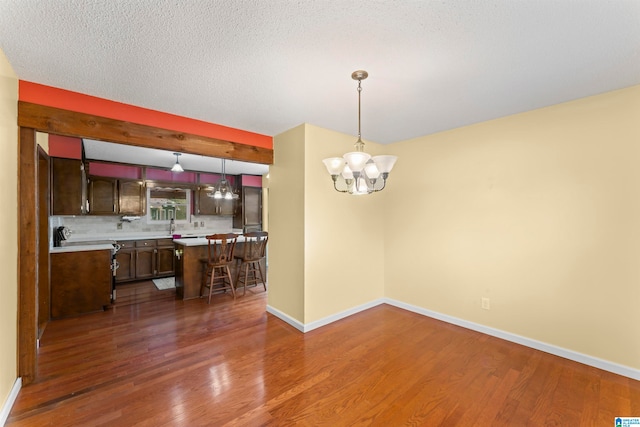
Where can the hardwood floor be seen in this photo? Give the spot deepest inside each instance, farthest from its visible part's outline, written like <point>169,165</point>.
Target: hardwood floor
<point>185,363</point>
<point>139,292</point>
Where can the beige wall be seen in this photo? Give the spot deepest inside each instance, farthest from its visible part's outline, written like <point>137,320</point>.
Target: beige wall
<point>286,224</point>
<point>326,252</point>
<point>42,139</point>
<point>540,212</point>
<point>344,248</point>
<point>9,219</point>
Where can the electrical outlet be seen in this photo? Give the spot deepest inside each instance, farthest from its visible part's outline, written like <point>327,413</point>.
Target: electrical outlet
<point>119,226</point>
<point>202,224</point>
<point>485,304</point>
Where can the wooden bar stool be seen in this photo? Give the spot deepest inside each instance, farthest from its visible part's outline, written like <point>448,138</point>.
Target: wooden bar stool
<point>217,273</point>
<point>250,271</point>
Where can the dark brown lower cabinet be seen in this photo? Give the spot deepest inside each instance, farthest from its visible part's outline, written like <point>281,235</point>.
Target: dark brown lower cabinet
<point>145,263</point>
<point>165,261</point>
<point>80,282</point>
<point>145,259</point>
<point>126,259</point>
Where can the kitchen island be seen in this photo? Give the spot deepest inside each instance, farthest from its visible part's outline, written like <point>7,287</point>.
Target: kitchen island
<point>189,272</point>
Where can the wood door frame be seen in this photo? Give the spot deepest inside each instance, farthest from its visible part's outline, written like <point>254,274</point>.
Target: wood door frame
<point>43,209</point>
<point>35,117</point>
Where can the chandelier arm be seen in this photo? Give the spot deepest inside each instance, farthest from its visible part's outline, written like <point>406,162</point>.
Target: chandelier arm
<point>384,182</point>
<point>335,184</point>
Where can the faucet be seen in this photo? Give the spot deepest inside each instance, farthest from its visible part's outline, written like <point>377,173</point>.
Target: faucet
<point>172,226</point>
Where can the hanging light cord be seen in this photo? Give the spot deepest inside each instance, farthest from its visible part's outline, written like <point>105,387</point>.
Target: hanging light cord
<point>359,144</point>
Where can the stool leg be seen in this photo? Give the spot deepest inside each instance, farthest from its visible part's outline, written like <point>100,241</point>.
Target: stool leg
<point>213,273</point>
<point>264,282</point>
<point>233,291</point>
<point>239,265</point>
<point>246,277</point>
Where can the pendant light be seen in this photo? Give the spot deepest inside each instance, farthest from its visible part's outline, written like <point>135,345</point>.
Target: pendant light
<point>223,189</point>
<point>177,167</point>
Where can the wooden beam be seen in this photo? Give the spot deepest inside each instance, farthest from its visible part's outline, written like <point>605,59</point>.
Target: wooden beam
<point>71,123</point>
<point>27,255</point>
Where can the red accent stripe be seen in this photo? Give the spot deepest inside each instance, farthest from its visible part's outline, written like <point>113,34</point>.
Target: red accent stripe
<point>65,146</point>
<point>74,101</point>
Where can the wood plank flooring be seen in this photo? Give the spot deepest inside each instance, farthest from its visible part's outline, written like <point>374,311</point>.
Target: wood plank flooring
<point>186,363</point>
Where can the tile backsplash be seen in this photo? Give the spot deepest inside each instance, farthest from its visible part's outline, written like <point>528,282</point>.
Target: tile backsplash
<point>89,226</point>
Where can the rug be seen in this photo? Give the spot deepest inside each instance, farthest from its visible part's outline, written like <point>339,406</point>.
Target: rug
<point>165,283</point>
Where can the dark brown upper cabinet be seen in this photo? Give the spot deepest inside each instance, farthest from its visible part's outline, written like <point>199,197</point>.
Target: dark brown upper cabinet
<point>67,184</point>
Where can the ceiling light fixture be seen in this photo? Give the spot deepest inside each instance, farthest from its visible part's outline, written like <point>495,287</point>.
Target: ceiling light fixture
<point>177,167</point>
<point>357,172</point>
<point>223,189</point>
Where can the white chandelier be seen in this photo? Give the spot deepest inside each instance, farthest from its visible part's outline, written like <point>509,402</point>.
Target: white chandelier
<point>357,172</point>
<point>223,189</point>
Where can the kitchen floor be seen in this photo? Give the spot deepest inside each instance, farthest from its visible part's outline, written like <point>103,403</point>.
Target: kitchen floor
<point>139,292</point>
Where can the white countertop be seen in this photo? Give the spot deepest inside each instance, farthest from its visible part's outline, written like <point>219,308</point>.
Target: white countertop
<point>120,236</point>
<point>81,248</point>
<point>103,242</point>
<point>200,241</point>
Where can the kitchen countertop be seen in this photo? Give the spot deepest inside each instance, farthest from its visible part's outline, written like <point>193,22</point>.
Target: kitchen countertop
<point>200,241</point>
<point>75,239</point>
<point>80,248</point>
<point>100,242</point>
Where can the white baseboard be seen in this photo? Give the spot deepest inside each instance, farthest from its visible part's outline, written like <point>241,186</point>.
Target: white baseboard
<point>346,313</point>
<point>528,342</point>
<point>285,318</point>
<point>302,327</point>
<point>507,336</point>
<point>8,404</point>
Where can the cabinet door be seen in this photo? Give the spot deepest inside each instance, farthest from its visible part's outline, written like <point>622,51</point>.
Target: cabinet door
<point>145,263</point>
<point>103,194</point>
<point>226,207</point>
<point>131,197</point>
<point>252,205</point>
<point>126,265</point>
<point>80,282</point>
<point>66,186</point>
<point>206,205</point>
<point>165,261</point>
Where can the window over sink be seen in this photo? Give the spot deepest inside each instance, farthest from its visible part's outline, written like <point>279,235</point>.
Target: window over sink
<point>165,204</point>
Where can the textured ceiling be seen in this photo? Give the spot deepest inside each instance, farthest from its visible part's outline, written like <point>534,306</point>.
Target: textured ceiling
<point>268,65</point>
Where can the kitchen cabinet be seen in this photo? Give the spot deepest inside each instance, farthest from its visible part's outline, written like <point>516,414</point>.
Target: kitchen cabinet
<point>145,259</point>
<point>248,213</point>
<point>207,205</point>
<point>165,258</point>
<point>145,263</point>
<point>103,196</point>
<point>80,282</point>
<point>67,184</point>
<point>126,259</point>
<point>109,196</point>
<point>131,197</point>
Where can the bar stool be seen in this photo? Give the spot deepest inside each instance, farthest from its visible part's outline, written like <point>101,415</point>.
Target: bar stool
<point>255,246</point>
<point>221,247</point>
